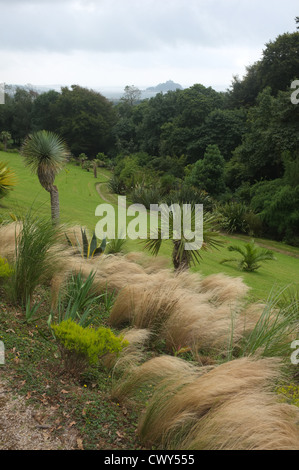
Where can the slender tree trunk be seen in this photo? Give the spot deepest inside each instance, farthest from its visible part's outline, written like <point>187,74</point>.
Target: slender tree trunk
<point>179,263</point>
<point>54,204</point>
<point>95,173</point>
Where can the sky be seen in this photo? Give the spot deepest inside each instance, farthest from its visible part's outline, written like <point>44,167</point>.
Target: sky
<point>107,44</point>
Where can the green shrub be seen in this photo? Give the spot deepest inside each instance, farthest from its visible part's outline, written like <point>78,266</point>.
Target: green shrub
<point>87,248</point>
<point>234,216</point>
<point>86,345</point>
<point>38,257</point>
<point>6,270</point>
<point>251,256</point>
<point>78,300</point>
<point>116,185</point>
<point>145,195</point>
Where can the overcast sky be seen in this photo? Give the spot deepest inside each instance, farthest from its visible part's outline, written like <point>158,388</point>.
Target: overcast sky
<point>114,43</point>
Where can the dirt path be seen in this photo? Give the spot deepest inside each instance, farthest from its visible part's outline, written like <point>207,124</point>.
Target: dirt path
<point>24,428</point>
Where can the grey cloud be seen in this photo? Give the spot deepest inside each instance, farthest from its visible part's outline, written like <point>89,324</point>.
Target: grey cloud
<point>137,25</point>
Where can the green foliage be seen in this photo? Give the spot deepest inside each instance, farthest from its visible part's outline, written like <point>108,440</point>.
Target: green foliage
<point>116,185</point>
<point>234,217</point>
<point>37,257</point>
<point>145,195</point>
<point>45,153</point>
<point>183,258</point>
<point>272,332</point>
<point>277,204</point>
<point>190,195</point>
<point>115,245</point>
<point>88,248</point>
<point>85,120</point>
<point>78,301</point>
<point>7,179</point>
<point>251,256</point>
<point>208,173</point>
<point>6,270</point>
<point>90,343</point>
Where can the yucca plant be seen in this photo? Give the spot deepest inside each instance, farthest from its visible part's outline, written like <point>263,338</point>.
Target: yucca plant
<point>78,301</point>
<point>181,257</point>
<point>46,153</point>
<point>251,256</point>
<point>7,179</point>
<point>87,248</point>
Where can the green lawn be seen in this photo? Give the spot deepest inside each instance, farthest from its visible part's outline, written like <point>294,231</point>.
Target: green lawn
<point>79,199</point>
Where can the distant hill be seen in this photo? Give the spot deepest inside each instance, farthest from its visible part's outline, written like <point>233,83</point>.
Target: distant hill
<point>165,87</point>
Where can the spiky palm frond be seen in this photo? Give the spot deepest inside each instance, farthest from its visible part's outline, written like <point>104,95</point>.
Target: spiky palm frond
<point>7,179</point>
<point>251,256</point>
<point>45,153</point>
<point>182,256</point>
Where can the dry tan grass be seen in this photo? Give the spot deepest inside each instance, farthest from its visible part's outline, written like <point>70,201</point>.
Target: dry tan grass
<point>246,421</point>
<point>8,234</point>
<point>223,288</point>
<point>229,406</point>
<point>185,314</point>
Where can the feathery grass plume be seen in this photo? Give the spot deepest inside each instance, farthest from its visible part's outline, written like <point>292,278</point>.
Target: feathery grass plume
<point>181,316</point>
<point>200,326</point>
<point>153,372</point>
<point>132,355</point>
<point>181,399</point>
<point>144,308</point>
<point>224,288</point>
<point>150,264</point>
<point>247,421</point>
<point>8,234</point>
<point>37,256</point>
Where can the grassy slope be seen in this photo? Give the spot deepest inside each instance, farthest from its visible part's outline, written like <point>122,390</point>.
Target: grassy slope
<point>79,199</point>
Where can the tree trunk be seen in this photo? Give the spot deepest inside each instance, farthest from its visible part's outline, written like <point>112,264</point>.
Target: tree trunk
<point>95,173</point>
<point>54,204</point>
<point>179,263</point>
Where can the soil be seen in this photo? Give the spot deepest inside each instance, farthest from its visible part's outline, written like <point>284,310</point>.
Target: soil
<point>23,427</point>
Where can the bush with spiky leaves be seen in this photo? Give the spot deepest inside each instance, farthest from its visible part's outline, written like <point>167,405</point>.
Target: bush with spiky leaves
<point>251,256</point>
<point>7,179</point>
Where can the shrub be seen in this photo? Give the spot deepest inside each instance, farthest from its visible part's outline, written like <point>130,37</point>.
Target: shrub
<point>82,346</point>
<point>37,257</point>
<point>146,196</point>
<point>78,300</point>
<point>87,248</point>
<point>116,185</point>
<point>6,270</point>
<point>251,256</point>
<point>234,217</point>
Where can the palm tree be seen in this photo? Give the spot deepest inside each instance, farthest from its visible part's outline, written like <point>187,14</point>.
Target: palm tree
<point>5,137</point>
<point>183,258</point>
<point>251,255</point>
<point>46,153</point>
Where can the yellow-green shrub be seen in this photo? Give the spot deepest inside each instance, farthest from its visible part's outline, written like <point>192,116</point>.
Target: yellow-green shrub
<point>87,342</point>
<point>5,269</point>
